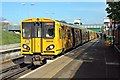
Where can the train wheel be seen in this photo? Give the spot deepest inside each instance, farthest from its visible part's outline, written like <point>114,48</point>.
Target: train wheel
<point>52,57</point>
<point>44,61</point>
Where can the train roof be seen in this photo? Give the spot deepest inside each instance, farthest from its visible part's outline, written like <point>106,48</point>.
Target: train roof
<point>69,24</point>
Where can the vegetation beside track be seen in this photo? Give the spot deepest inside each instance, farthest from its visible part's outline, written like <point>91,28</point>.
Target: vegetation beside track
<point>7,37</point>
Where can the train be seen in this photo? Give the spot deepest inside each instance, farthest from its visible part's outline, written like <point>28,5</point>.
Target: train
<point>45,38</point>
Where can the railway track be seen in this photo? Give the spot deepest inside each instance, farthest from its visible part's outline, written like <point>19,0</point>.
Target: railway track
<point>15,71</point>
<point>10,56</point>
<point>9,68</point>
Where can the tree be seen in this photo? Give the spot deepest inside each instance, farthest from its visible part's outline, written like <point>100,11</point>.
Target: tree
<point>63,21</point>
<point>113,11</point>
<point>80,23</point>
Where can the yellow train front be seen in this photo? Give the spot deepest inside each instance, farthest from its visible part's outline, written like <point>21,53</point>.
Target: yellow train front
<point>43,38</point>
<point>38,39</point>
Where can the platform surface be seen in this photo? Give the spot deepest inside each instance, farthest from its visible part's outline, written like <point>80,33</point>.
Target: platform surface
<point>91,60</point>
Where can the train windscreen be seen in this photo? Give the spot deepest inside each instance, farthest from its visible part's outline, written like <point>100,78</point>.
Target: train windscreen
<point>49,30</point>
<point>26,29</point>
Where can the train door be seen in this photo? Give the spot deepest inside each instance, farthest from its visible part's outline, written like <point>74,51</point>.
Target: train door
<point>60,41</point>
<point>37,37</point>
<point>88,36</point>
<point>63,37</point>
<point>80,36</point>
<point>73,35</point>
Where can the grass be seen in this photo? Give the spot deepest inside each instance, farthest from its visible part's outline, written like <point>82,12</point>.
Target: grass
<point>7,37</point>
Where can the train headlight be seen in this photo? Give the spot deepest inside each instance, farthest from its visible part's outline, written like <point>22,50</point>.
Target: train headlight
<point>26,46</point>
<point>50,47</point>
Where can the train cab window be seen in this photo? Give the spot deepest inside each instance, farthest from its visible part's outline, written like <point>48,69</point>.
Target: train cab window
<point>49,30</point>
<point>68,32</point>
<point>26,29</point>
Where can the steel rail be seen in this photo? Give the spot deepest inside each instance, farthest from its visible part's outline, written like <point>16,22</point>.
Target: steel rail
<point>16,72</point>
<point>10,50</point>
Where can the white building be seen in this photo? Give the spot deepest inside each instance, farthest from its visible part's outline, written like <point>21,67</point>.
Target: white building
<point>77,21</point>
<point>107,28</point>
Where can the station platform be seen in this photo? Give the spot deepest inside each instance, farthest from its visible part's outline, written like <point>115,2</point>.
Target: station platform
<point>91,60</point>
<point>9,46</point>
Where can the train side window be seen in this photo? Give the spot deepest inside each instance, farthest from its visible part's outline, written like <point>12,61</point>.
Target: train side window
<point>68,32</point>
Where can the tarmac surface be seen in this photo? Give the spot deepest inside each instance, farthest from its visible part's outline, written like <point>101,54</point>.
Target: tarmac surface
<point>92,60</point>
<point>99,61</point>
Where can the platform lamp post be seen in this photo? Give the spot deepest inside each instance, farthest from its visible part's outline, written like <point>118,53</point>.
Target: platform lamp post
<point>31,4</point>
<point>113,28</point>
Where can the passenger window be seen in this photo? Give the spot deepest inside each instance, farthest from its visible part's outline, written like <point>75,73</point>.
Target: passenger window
<point>76,34</point>
<point>68,32</point>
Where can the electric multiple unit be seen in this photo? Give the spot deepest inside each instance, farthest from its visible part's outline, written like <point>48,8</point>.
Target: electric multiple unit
<point>43,38</point>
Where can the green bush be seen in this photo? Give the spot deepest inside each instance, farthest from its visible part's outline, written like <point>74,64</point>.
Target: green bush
<point>7,37</point>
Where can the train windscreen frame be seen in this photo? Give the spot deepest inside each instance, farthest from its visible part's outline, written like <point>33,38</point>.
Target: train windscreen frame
<point>38,29</point>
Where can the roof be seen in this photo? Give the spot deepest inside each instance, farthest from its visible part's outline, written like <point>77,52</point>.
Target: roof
<point>71,25</point>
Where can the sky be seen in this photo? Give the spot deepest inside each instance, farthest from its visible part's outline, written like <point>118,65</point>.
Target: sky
<point>88,12</point>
